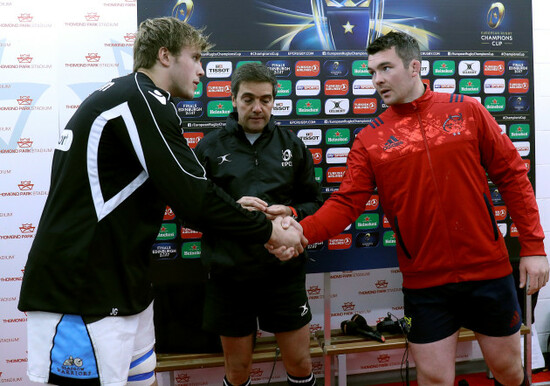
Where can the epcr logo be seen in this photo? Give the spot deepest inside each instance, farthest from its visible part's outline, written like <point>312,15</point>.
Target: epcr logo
<point>287,155</point>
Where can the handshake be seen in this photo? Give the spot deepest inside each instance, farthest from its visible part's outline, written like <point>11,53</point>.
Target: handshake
<point>287,238</point>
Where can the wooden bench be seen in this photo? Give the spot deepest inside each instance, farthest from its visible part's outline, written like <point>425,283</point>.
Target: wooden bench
<point>263,352</point>
<point>340,345</point>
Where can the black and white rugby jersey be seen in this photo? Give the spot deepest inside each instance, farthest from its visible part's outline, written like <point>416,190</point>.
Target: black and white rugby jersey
<point>120,160</point>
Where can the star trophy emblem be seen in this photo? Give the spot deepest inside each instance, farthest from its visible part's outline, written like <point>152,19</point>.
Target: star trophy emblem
<point>347,24</point>
<point>183,9</point>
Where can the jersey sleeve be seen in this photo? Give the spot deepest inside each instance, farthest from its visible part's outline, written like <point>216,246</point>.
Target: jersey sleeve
<point>507,170</point>
<point>348,202</point>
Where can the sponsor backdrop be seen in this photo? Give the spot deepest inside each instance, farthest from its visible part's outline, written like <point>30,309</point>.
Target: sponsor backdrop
<point>51,58</point>
<point>481,48</point>
<point>317,51</point>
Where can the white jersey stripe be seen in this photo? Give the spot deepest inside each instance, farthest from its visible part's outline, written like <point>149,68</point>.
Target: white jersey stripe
<point>104,208</point>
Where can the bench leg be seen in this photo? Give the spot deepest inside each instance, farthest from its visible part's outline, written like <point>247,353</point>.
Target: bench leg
<point>342,370</point>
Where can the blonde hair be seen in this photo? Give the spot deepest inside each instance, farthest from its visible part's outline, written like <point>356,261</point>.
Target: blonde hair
<point>168,32</point>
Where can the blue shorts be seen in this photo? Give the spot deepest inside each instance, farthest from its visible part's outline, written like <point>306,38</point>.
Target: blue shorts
<point>489,307</point>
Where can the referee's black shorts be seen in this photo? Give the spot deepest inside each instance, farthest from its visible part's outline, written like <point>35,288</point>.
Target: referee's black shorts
<point>274,302</point>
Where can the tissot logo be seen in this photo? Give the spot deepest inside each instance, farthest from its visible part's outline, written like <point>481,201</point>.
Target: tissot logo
<point>342,241</point>
<point>279,67</point>
<point>219,69</point>
<point>337,155</point>
<point>308,87</point>
<point>445,85</point>
<point>310,136</point>
<point>494,86</point>
<point>335,174</point>
<point>193,139</point>
<point>336,87</point>
<point>493,68</point>
<point>282,107</point>
<point>307,68</point>
<point>218,89</point>
<point>365,106</point>
<point>518,86</point>
<point>469,67</point>
<point>363,87</point>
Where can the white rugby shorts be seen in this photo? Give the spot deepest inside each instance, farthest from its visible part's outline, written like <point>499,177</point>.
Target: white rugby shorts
<point>62,347</point>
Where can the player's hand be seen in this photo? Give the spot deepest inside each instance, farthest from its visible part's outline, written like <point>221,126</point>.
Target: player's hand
<point>286,243</point>
<point>537,269</point>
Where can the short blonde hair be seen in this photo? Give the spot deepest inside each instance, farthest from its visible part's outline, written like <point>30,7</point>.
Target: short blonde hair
<point>168,32</point>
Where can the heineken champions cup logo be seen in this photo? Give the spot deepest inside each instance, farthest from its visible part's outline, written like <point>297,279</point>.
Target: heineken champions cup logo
<point>495,15</point>
<point>347,24</point>
<point>183,9</point>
